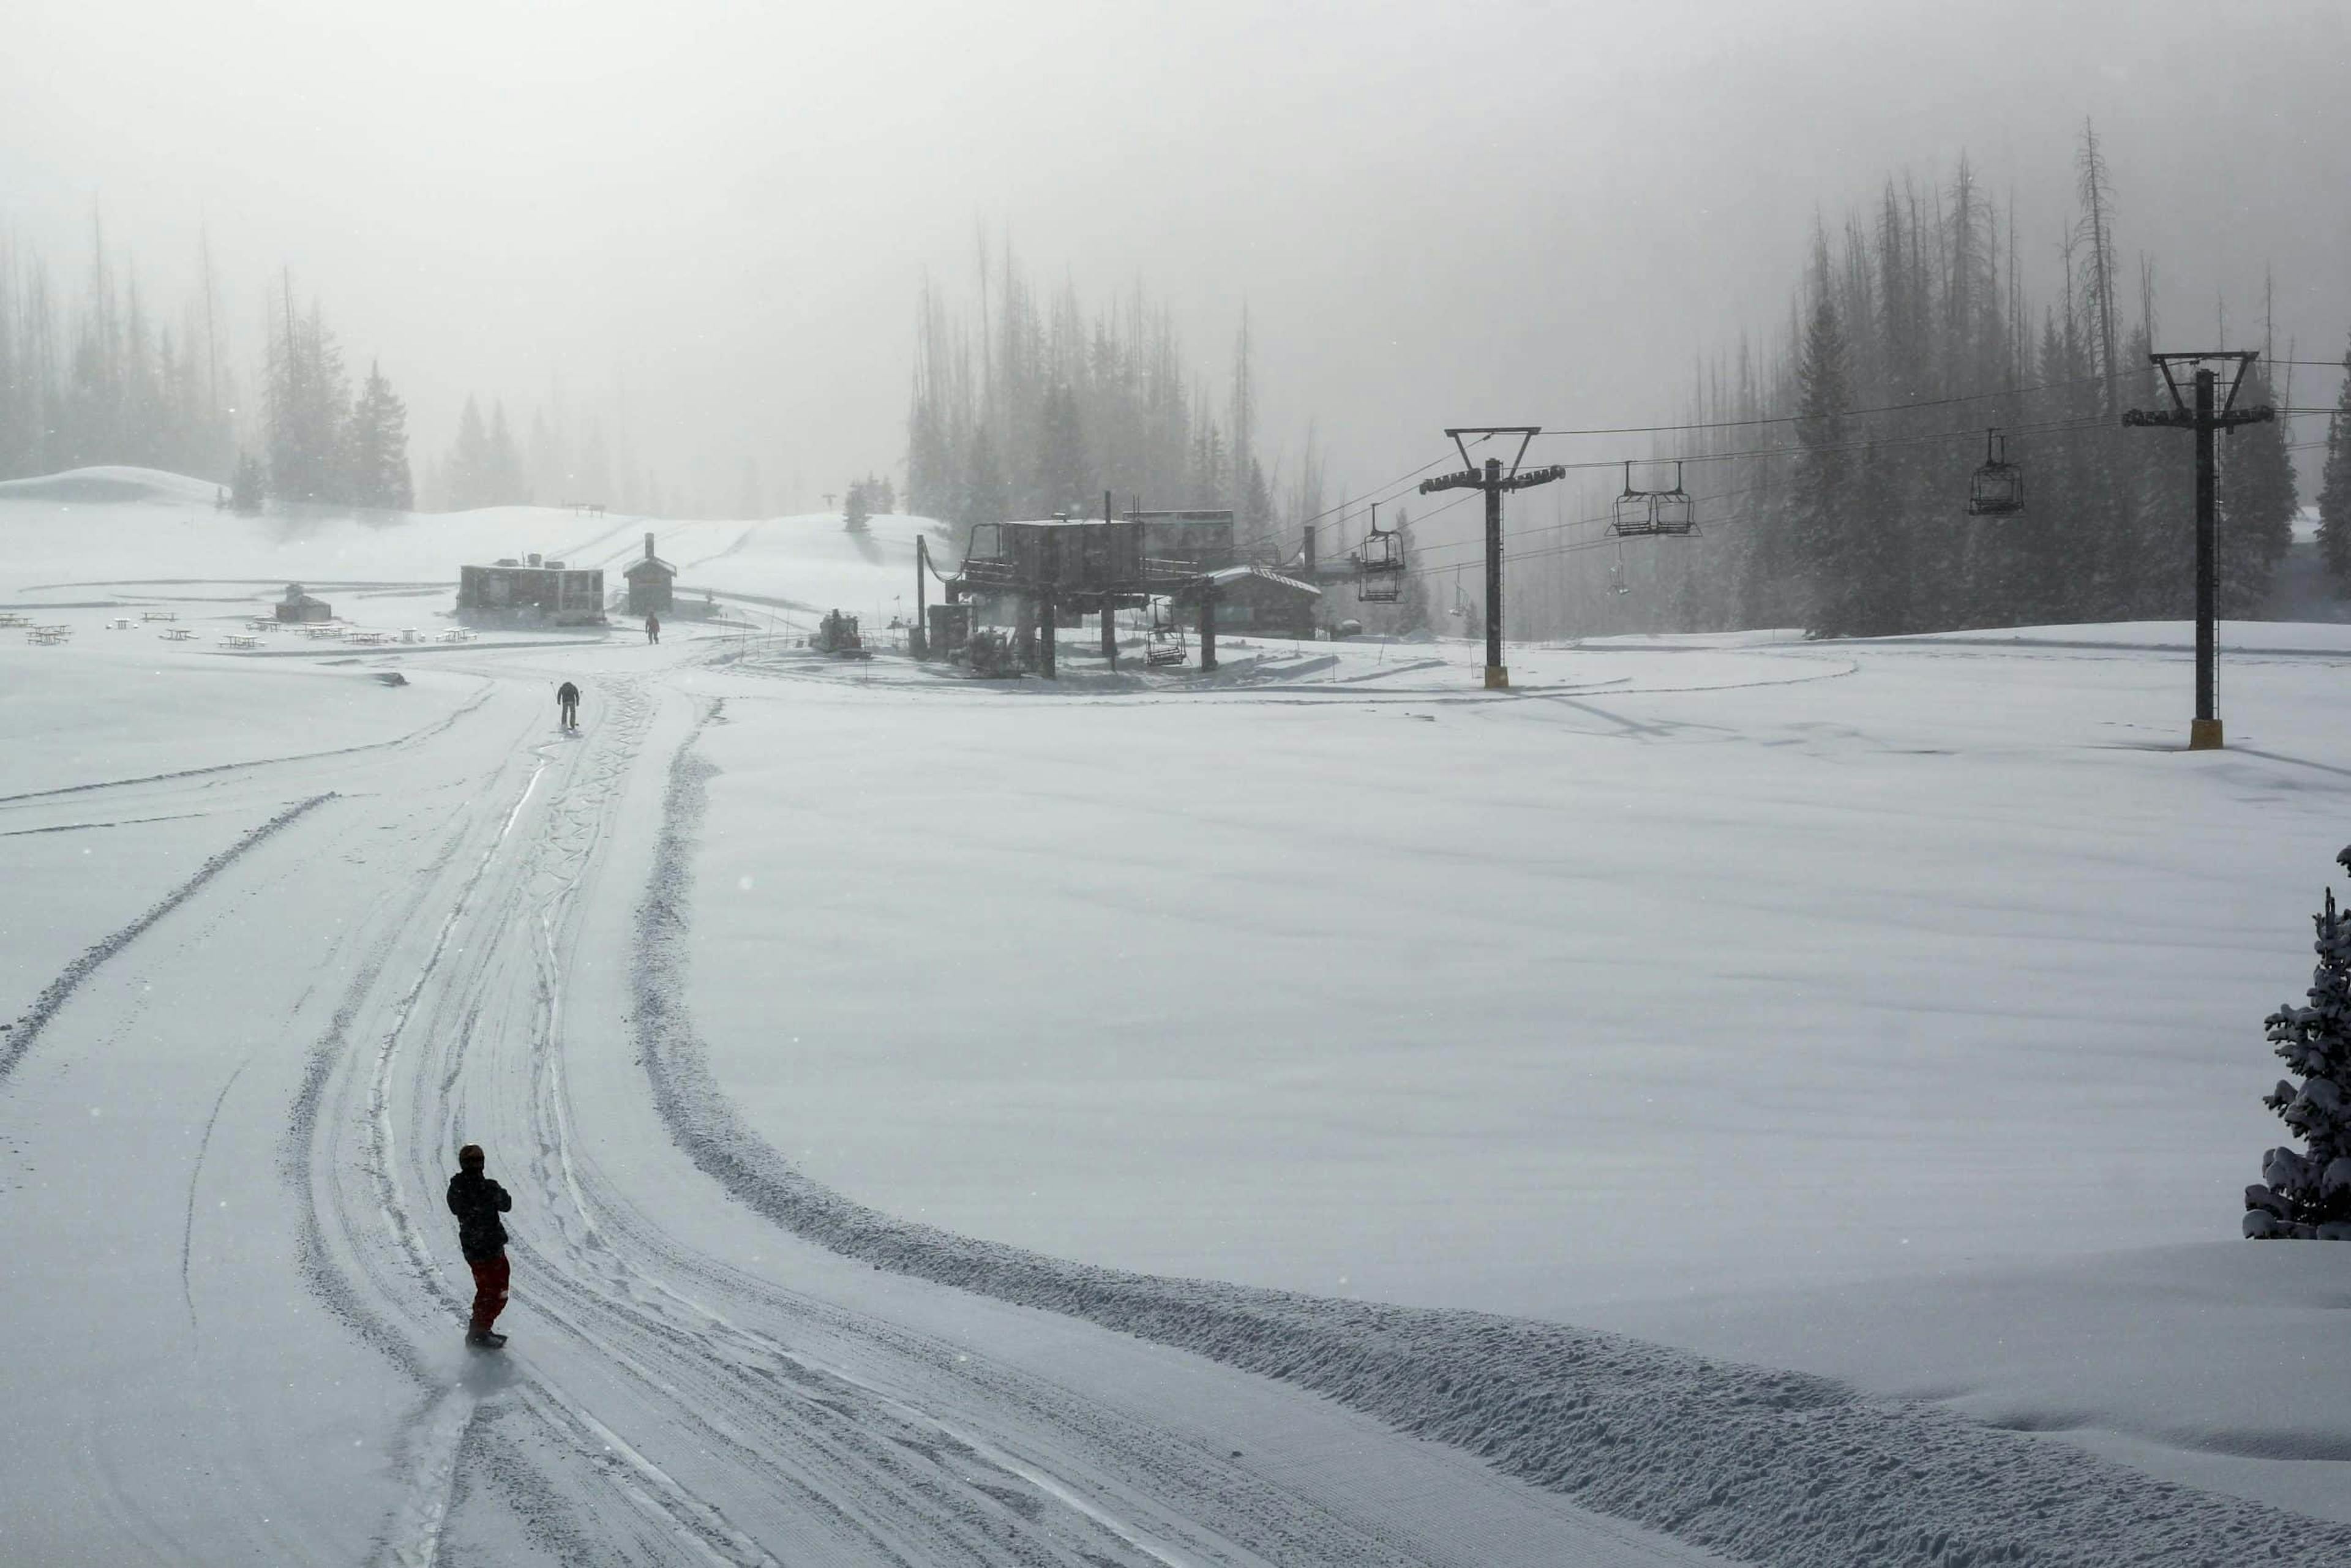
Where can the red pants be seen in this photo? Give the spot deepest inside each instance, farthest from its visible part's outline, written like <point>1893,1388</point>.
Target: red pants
<point>489,1291</point>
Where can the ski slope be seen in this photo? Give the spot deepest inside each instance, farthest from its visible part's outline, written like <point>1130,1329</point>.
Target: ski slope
<point>965,1122</point>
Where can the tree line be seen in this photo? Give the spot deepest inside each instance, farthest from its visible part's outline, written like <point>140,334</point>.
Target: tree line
<point>103,380</point>
<point>1832,482</point>
<point>1036,408</point>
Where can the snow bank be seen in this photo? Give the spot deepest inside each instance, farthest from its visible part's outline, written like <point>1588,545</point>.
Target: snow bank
<point>1769,1466</point>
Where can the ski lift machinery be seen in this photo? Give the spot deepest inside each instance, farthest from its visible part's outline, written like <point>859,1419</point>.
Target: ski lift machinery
<point>1668,513</point>
<point>1379,568</point>
<point>1997,489</point>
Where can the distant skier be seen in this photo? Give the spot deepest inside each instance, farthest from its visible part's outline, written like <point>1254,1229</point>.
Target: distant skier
<point>653,628</point>
<point>567,703</point>
<point>477,1201</point>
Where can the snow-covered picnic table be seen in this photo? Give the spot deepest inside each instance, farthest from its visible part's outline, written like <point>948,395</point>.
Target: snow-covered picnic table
<point>240,639</point>
<point>178,634</point>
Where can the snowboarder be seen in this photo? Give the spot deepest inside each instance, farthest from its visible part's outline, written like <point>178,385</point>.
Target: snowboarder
<point>477,1201</point>
<point>567,703</point>
<point>653,628</point>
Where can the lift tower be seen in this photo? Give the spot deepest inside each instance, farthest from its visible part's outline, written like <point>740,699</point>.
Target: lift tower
<point>2192,408</point>
<point>1492,480</point>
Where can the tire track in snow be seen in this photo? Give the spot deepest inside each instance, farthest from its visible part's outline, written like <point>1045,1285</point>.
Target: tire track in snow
<point>58,992</point>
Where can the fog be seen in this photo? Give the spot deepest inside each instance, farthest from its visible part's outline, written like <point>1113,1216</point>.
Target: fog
<point>715,217</point>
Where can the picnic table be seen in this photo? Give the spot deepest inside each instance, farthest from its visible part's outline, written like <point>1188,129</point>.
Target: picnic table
<point>48,633</point>
<point>411,634</point>
<point>368,639</point>
<point>455,634</point>
<point>316,633</point>
<point>14,618</point>
<point>121,623</point>
<point>159,615</point>
<point>179,635</point>
<point>240,639</point>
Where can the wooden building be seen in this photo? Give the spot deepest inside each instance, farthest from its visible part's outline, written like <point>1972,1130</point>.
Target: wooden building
<point>531,591</point>
<point>651,581</point>
<point>298,607</point>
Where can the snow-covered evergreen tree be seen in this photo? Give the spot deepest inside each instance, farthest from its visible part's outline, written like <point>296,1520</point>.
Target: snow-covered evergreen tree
<point>2308,1194</point>
<point>856,510</point>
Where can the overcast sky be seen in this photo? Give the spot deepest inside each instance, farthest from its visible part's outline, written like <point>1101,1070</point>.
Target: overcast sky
<point>1437,213</point>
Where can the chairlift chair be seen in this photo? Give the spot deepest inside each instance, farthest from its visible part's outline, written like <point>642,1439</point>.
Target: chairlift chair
<point>1165,644</point>
<point>1648,514</point>
<point>1379,567</point>
<point>1997,489</point>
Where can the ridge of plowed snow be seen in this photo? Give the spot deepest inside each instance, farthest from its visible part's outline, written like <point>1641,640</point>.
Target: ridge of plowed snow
<point>1771,1466</point>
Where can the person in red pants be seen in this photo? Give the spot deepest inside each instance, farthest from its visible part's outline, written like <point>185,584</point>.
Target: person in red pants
<point>477,1201</point>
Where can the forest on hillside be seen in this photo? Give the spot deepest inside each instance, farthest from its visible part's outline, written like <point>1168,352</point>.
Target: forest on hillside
<point>1024,405</point>
<point>106,378</point>
<point>1831,467</point>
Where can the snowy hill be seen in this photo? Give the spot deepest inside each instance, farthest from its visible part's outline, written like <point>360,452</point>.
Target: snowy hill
<point>1324,1114</point>
<point>124,531</point>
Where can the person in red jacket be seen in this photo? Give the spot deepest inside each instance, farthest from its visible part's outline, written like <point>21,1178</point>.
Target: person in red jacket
<point>477,1201</point>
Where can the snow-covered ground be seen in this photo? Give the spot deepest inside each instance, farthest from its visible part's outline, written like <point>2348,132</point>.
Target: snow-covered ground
<point>954,1121</point>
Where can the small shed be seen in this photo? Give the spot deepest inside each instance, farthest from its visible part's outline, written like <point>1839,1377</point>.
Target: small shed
<point>298,607</point>
<point>651,581</point>
<point>1251,600</point>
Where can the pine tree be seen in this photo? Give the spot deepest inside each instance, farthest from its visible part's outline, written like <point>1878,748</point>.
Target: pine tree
<point>2257,503</point>
<point>986,499</point>
<point>1824,498</point>
<point>1062,482</point>
<point>376,448</point>
<point>468,474</point>
<point>2335,488</point>
<point>2308,1195</point>
<point>245,495</point>
<point>505,483</point>
<point>856,511</point>
<point>1412,601</point>
<point>308,404</point>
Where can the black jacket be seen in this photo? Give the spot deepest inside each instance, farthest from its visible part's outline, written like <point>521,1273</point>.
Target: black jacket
<point>567,692</point>
<point>477,1201</point>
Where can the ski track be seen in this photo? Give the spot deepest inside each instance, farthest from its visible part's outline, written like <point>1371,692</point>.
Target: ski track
<point>58,992</point>
<point>1766,1465</point>
<point>709,1356</point>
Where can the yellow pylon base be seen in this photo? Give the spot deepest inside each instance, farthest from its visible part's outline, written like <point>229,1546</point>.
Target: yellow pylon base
<point>1498,677</point>
<point>2204,735</point>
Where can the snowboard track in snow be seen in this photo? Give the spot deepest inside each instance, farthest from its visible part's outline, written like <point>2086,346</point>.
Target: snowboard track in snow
<point>58,992</point>
<point>1769,1466</point>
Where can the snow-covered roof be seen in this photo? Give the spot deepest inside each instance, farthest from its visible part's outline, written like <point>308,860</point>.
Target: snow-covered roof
<point>1232,574</point>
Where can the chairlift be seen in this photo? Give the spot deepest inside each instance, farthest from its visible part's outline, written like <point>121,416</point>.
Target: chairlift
<point>1165,643</point>
<point>1997,489</point>
<point>1648,514</point>
<point>1379,566</point>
